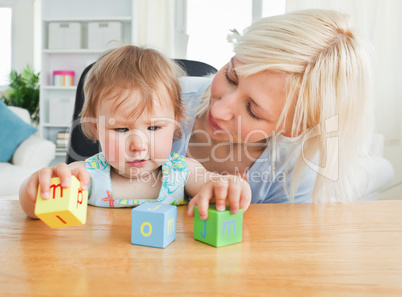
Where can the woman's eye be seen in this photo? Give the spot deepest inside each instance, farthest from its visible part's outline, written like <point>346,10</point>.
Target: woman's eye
<point>250,112</point>
<point>153,128</point>
<point>232,82</point>
<point>121,130</point>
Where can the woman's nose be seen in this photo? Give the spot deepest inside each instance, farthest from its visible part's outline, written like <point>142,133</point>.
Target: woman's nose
<point>225,108</point>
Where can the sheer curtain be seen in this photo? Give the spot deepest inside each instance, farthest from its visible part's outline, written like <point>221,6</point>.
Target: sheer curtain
<point>154,25</point>
<point>379,22</point>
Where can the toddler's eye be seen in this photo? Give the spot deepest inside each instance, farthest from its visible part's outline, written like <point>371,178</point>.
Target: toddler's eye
<point>153,128</point>
<point>121,130</point>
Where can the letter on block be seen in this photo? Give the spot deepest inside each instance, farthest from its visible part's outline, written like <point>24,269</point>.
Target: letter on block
<point>153,224</point>
<point>220,229</point>
<point>65,207</point>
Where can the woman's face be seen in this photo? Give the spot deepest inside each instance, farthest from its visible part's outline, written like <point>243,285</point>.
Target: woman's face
<point>245,109</point>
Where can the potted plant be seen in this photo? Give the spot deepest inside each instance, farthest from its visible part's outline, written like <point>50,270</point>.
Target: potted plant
<point>24,92</point>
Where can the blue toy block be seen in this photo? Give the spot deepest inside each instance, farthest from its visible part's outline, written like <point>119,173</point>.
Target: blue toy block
<point>153,224</point>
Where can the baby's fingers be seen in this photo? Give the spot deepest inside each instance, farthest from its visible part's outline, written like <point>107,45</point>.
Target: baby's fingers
<point>44,176</point>
<point>245,198</point>
<point>83,176</point>
<point>61,170</point>
<point>32,186</point>
<point>221,192</point>
<point>234,194</point>
<point>64,173</point>
<point>202,201</point>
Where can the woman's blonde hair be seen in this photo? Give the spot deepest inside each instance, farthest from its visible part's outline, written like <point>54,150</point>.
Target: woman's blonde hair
<point>129,68</point>
<point>328,70</point>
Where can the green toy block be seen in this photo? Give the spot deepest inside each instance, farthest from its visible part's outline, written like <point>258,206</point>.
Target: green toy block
<point>220,229</point>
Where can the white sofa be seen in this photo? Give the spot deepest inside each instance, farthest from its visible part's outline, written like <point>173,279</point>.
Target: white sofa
<point>379,171</point>
<point>32,154</point>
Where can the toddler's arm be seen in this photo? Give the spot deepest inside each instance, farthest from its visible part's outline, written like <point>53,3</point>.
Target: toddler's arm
<point>205,187</point>
<point>29,187</point>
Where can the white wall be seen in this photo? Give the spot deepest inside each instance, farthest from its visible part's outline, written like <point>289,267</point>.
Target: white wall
<point>23,48</point>
<point>378,22</point>
<point>23,38</point>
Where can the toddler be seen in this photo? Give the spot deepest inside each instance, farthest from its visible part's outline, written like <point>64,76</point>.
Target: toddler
<point>132,107</point>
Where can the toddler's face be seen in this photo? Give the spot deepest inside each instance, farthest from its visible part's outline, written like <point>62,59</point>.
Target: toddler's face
<point>136,146</point>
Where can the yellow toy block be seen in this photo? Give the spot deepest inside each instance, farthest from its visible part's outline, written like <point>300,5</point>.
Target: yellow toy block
<point>65,207</point>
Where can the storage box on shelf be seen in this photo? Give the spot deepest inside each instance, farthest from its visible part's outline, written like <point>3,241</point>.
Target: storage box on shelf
<point>74,35</point>
<point>100,33</point>
<point>64,35</point>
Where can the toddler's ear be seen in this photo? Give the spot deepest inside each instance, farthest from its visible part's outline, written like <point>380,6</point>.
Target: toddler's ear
<point>94,129</point>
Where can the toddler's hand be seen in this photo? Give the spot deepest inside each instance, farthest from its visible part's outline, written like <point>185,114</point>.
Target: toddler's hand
<point>63,171</point>
<point>232,189</point>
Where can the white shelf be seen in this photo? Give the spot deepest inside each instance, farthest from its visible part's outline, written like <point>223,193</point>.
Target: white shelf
<point>88,19</point>
<point>73,51</point>
<point>50,125</point>
<point>57,88</point>
<point>61,154</point>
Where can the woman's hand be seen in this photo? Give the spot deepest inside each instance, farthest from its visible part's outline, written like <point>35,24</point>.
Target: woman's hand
<point>29,188</point>
<point>221,189</point>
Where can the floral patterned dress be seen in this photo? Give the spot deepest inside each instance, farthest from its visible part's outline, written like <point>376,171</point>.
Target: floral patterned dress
<point>174,177</point>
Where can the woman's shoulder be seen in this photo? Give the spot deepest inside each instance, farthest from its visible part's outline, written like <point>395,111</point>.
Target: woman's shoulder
<point>273,171</point>
<point>191,84</point>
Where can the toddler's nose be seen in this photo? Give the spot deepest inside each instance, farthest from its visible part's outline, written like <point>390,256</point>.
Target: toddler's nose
<point>137,143</point>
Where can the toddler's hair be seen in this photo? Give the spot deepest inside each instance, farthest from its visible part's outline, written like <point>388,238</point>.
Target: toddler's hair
<point>130,68</point>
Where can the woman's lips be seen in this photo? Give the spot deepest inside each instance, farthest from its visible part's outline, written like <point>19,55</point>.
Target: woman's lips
<point>212,122</point>
<point>137,163</point>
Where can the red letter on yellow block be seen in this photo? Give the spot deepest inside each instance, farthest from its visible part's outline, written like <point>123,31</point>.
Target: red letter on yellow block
<point>54,187</point>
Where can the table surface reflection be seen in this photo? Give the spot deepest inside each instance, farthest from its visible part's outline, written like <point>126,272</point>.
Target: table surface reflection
<point>287,250</point>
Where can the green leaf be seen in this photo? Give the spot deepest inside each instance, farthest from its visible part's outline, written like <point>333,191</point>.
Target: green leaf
<point>24,91</point>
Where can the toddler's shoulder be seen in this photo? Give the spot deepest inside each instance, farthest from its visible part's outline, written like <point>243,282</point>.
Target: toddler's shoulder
<point>176,162</point>
<point>97,161</point>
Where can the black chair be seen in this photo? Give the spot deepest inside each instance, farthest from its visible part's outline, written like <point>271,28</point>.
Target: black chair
<point>79,146</point>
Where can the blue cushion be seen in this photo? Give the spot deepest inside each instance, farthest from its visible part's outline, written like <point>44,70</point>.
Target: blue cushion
<point>13,131</point>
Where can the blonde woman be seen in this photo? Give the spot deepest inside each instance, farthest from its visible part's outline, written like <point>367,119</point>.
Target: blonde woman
<point>290,110</point>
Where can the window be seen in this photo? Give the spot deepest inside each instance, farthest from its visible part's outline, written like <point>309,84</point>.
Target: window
<point>5,48</point>
<point>209,22</point>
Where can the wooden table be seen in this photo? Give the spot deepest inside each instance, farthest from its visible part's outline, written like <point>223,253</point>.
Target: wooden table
<point>287,250</point>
